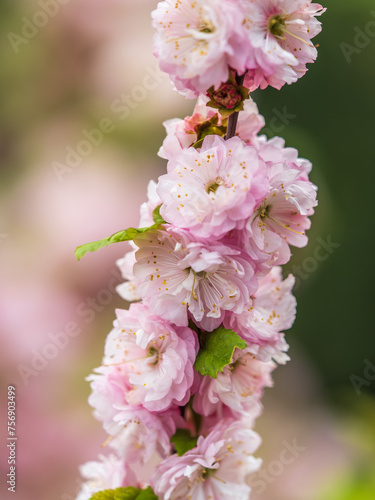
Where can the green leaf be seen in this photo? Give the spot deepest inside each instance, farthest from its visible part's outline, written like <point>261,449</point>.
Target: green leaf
<point>217,350</point>
<point>128,493</point>
<point>183,441</point>
<point>126,235</point>
<point>147,494</point>
<point>158,219</point>
<point>104,495</point>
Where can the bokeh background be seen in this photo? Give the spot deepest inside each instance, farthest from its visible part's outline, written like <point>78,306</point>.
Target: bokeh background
<point>65,77</point>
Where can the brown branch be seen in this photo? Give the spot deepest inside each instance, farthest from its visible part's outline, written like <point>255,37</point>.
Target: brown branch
<point>232,121</point>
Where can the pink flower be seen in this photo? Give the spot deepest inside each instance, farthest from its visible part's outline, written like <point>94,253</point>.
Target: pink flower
<point>282,217</point>
<point>180,275</point>
<point>239,386</point>
<point>135,432</point>
<point>109,385</point>
<point>279,34</point>
<point>143,433</point>
<point>216,469</point>
<point>196,42</point>
<point>273,309</point>
<point>158,357</point>
<point>181,134</point>
<point>213,190</point>
<point>108,473</point>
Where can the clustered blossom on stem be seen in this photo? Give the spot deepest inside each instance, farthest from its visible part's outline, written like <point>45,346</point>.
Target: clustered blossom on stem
<point>199,42</point>
<point>216,468</point>
<point>205,260</point>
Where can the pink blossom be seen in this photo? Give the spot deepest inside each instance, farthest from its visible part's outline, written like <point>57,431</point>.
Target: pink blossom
<point>216,469</point>
<point>282,217</point>
<point>239,386</point>
<point>196,42</point>
<point>279,35</point>
<point>109,386</point>
<point>107,473</point>
<point>181,134</point>
<point>180,275</point>
<point>159,358</point>
<point>272,310</point>
<point>142,433</point>
<point>135,432</point>
<point>213,190</point>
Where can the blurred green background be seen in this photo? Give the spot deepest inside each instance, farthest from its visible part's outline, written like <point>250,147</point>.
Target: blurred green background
<point>65,79</point>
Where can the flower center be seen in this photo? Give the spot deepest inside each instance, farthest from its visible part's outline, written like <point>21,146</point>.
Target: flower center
<point>153,352</point>
<point>264,211</point>
<point>207,473</point>
<point>277,26</point>
<point>206,26</point>
<point>212,187</point>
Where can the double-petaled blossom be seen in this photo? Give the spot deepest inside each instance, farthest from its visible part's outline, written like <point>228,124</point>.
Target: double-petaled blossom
<point>215,469</point>
<point>142,433</point>
<point>180,277</point>
<point>197,42</point>
<point>279,35</point>
<point>154,358</point>
<point>135,433</point>
<point>239,387</point>
<point>271,311</point>
<point>282,218</point>
<point>215,189</point>
<point>158,356</point>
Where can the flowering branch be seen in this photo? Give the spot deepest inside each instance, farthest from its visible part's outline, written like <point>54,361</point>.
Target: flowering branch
<point>185,367</point>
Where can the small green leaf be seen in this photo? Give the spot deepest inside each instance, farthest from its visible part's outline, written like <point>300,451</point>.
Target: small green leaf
<point>158,219</point>
<point>183,441</point>
<point>147,494</point>
<point>217,350</point>
<point>104,495</point>
<point>128,493</point>
<point>126,235</point>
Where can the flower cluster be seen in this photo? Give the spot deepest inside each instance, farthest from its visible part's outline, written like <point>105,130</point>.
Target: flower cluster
<point>185,367</point>
<point>198,42</point>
